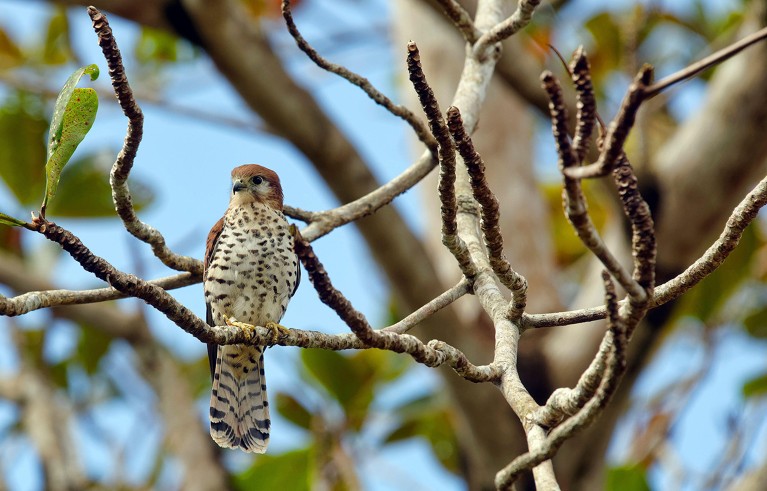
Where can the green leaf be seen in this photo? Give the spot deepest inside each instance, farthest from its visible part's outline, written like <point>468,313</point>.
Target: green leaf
<point>292,410</point>
<point>73,117</point>
<point>9,220</point>
<point>22,132</point>
<point>290,470</point>
<point>755,387</point>
<point>626,478</point>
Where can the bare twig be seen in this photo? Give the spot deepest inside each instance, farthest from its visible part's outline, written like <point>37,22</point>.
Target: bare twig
<point>462,288</point>
<point>446,154</point>
<point>519,19</point>
<point>705,63</point>
<point>30,301</point>
<point>121,169</point>
<point>587,110</point>
<point>379,98</point>
<point>613,372</point>
<point>460,19</point>
<point>617,131</point>
<point>575,205</point>
<point>490,215</point>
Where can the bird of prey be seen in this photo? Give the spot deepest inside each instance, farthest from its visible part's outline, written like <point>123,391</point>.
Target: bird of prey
<point>251,272</point>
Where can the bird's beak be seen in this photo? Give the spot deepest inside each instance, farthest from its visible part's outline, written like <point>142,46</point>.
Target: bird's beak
<point>238,186</point>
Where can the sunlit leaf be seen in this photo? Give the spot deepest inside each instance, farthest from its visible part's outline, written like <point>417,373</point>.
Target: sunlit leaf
<point>9,220</point>
<point>289,470</point>
<point>291,409</point>
<point>626,478</point>
<point>73,117</point>
<point>334,372</point>
<point>756,387</point>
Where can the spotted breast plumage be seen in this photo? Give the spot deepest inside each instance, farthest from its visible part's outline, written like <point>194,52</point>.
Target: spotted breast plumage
<point>251,272</point>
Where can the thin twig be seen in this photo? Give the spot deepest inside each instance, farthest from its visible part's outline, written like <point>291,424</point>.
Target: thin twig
<point>446,155</point>
<point>460,19</point>
<point>503,30</point>
<point>707,62</point>
<point>574,200</point>
<point>585,102</point>
<point>618,130</point>
<point>31,301</point>
<point>121,169</point>
<point>460,289</point>
<point>434,353</point>
<point>377,96</point>
<point>490,215</point>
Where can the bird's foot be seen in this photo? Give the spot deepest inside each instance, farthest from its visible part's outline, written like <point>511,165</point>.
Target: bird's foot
<point>278,331</point>
<point>248,329</point>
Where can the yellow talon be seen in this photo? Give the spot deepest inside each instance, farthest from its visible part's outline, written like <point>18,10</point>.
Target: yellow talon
<point>248,328</point>
<point>278,330</point>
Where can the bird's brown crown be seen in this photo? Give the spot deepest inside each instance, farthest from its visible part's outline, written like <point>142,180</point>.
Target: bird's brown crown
<point>268,192</point>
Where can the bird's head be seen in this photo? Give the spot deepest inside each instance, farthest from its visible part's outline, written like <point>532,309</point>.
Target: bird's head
<point>253,183</point>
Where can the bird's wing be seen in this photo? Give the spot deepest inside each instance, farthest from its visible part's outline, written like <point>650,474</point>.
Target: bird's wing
<point>210,248</point>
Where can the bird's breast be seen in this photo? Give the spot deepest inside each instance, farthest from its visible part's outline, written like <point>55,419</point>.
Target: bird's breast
<point>253,269</point>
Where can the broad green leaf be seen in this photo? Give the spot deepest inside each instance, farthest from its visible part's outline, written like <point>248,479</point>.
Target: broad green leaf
<point>755,387</point>
<point>437,427</point>
<point>22,132</point>
<point>9,220</point>
<point>626,478</point>
<point>289,471</point>
<point>73,117</point>
<point>84,190</point>
<point>292,410</point>
<point>62,101</point>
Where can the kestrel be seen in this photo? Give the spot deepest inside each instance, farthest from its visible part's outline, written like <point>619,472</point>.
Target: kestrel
<point>251,272</point>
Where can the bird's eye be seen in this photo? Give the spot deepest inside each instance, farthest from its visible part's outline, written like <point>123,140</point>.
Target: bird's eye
<point>257,180</point>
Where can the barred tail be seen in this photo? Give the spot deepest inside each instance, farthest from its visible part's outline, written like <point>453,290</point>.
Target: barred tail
<point>239,410</point>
